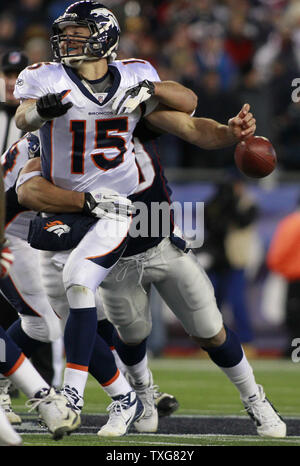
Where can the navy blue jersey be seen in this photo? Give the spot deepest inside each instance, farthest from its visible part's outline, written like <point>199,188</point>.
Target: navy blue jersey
<point>153,186</point>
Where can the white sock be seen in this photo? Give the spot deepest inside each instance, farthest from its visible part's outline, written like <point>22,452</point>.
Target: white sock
<point>117,386</point>
<point>139,372</point>
<point>58,361</point>
<point>27,378</point>
<point>76,379</point>
<point>243,378</point>
<point>119,362</point>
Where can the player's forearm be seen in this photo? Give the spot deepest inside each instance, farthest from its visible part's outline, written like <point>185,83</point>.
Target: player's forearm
<point>176,96</point>
<point>40,195</point>
<point>27,118</point>
<point>202,132</point>
<point>209,134</point>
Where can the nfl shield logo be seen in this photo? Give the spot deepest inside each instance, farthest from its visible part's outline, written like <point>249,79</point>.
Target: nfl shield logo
<point>101,97</point>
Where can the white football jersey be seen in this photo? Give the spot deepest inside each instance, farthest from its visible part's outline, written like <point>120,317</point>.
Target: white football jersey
<point>17,217</point>
<point>89,147</point>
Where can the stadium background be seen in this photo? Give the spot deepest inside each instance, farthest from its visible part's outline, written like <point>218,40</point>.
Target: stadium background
<point>229,52</point>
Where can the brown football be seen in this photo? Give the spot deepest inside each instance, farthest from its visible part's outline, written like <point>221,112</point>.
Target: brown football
<point>255,157</point>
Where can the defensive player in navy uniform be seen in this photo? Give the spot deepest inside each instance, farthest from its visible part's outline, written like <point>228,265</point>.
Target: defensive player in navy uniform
<point>87,146</point>
<point>166,265</point>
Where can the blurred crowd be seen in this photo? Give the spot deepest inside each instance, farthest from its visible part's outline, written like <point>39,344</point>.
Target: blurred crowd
<point>228,51</point>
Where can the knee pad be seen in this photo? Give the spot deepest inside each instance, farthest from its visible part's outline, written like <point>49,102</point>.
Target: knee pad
<point>40,329</point>
<point>135,332</point>
<point>80,297</point>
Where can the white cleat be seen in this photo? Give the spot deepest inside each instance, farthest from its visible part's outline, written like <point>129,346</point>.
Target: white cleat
<point>55,410</point>
<point>122,413</point>
<point>5,402</point>
<point>146,393</point>
<point>265,417</point>
<point>8,436</point>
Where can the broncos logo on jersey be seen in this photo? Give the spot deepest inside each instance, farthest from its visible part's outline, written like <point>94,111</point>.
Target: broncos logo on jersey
<point>57,227</point>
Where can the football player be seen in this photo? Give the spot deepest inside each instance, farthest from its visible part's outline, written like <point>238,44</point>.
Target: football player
<point>22,285</point>
<point>23,289</point>
<point>78,105</point>
<point>53,407</point>
<point>182,283</point>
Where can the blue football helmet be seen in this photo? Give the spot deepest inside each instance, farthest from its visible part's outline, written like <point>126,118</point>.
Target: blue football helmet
<point>104,35</point>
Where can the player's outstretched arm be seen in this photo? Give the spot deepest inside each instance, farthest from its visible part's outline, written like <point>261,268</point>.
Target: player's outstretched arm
<point>204,132</point>
<point>176,96</point>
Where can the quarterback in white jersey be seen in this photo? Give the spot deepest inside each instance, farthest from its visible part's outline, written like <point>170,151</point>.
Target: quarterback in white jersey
<point>89,147</point>
<point>86,110</point>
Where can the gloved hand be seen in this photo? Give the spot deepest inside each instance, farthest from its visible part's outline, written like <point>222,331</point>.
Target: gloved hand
<point>50,106</point>
<point>107,203</point>
<point>128,101</point>
<point>6,260</point>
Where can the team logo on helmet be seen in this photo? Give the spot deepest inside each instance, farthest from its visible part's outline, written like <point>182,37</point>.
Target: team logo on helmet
<point>102,29</point>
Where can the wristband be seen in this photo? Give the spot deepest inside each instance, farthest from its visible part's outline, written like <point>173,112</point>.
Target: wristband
<point>23,178</point>
<point>33,118</point>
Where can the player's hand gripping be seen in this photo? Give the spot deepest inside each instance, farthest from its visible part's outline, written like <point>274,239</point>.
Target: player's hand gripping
<point>128,101</point>
<point>50,106</point>
<point>6,260</point>
<point>243,125</point>
<point>107,203</point>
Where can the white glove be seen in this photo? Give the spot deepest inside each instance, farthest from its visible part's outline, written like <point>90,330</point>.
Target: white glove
<point>107,203</point>
<point>6,260</point>
<point>127,102</point>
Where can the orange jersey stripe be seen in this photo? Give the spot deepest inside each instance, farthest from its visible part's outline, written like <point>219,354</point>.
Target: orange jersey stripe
<point>17,364</point>
<point>112,379</point>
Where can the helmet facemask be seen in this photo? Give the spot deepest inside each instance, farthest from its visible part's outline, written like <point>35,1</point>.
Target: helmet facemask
<point>102,41</point>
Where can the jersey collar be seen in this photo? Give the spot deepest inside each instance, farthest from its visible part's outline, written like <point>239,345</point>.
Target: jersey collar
<point>116,82</point>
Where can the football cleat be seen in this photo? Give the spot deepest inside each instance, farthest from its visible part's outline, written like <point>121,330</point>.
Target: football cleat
<point>54,409</point>
<point>166,404</point>
<point>123,411</point>
<point>8,436</point>
<point>149,422</point>
<point>75,400</point>
<point>5,402</point>
<point>265,417</point>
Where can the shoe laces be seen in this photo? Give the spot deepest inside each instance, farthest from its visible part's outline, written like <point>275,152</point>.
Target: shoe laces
<point>73,397</point>
<point>40,397</point>
<point>117,407</point>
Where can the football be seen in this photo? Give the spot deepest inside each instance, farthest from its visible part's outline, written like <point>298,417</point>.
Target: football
<point>255,157</point>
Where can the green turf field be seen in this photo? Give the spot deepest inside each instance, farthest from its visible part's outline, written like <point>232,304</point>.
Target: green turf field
<point>202,390</point>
